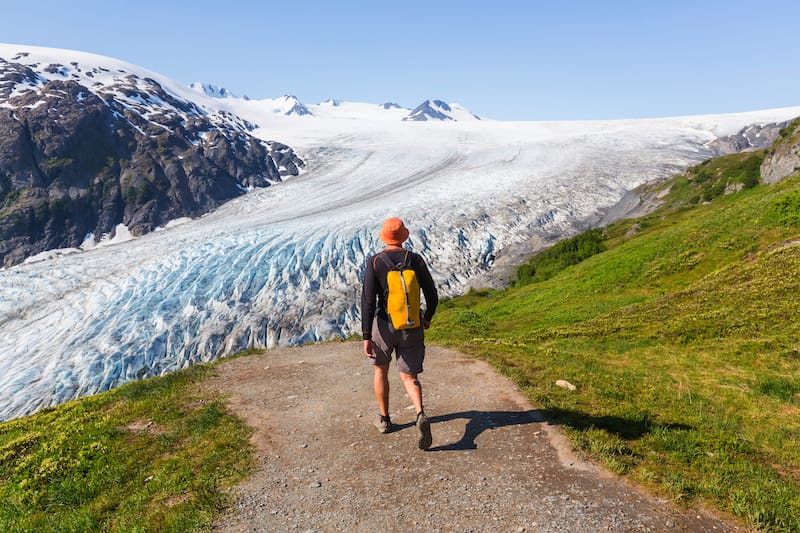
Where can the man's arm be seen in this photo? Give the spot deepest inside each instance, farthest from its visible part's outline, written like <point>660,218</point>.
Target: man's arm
<point>368,295</point>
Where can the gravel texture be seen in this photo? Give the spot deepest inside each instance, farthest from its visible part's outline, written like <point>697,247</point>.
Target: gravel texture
<point>495,464</point>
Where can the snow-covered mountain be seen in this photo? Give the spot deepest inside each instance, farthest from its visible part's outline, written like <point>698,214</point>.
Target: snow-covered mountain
<point>282,265</point>
<point>88,143</point>
<point>287,105</point>
<point>438,110</point>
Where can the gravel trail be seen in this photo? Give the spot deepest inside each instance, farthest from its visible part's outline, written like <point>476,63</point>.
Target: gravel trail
<point>495,464</point>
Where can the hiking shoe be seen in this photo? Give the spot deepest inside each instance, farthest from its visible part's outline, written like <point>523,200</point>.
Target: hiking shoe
<point>423,431</point>
<point>383,423</point>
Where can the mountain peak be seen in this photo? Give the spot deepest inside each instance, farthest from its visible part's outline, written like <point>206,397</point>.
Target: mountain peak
<point>211,90</point>
<point>440,110</point>
<point>290,105</point>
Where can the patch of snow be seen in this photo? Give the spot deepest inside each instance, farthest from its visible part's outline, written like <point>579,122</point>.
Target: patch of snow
<point>175,223</point>
<point>50,254</point>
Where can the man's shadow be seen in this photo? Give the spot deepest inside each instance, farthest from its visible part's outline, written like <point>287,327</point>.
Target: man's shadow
<point>480,421</point>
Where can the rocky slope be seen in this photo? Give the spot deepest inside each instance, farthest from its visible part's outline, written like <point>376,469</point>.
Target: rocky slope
<point>84,148</point>
<point>783,158</point>
<point>751,137</point>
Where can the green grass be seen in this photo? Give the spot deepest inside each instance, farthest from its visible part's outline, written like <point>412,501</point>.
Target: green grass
<point>683,340</point>
<point>155,455</point>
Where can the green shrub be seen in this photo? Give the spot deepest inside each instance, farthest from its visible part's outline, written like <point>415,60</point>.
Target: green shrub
<point>750,171</point>
<point>471,321</point>
<point>786,210</point>
<point>549,262</point>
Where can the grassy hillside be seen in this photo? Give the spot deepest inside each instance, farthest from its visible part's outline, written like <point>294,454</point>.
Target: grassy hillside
<point>681,333</point>
<point>154,455</point>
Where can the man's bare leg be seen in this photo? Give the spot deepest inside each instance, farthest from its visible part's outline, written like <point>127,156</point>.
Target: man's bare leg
<point>381,383</point>
<point>413,389</point>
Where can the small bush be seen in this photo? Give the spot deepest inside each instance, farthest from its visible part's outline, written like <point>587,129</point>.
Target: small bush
<point>786,210</point>
<point>561,255</point>
<point>750,171</point>
<point>471,321</point>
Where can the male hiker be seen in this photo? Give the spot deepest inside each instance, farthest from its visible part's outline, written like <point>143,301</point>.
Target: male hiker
<point>394,277</point>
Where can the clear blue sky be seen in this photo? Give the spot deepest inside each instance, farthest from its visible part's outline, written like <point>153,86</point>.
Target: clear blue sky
<point>508,60</point>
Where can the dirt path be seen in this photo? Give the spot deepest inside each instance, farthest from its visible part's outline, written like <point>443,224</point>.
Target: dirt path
<point>495,465</point>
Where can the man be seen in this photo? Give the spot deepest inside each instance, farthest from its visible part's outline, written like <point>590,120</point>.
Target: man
<point>380,337</point>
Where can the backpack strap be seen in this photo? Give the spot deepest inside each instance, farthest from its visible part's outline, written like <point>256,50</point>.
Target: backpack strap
<point>388,263</point>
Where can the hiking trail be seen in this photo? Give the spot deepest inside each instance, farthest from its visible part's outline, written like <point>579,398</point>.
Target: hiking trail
<point>495,463</point>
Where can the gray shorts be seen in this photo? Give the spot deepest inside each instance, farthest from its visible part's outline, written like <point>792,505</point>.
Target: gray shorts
<point>408,345</point>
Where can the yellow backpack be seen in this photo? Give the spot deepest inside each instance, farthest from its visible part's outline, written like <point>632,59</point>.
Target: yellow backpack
<point>402,300</point>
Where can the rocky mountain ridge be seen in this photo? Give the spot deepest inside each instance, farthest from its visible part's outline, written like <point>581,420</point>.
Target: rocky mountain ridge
<point>86,147</point>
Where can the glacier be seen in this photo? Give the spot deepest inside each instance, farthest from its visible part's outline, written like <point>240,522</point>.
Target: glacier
<point>282,265</point>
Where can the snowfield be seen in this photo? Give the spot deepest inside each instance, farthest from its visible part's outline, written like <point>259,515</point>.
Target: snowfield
<point>281,265</point>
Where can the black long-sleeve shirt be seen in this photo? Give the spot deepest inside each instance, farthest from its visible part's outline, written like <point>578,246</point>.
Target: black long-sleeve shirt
<point>376,288</point>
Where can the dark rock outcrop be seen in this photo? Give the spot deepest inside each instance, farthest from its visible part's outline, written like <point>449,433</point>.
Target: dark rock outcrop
<point>75,161</point>
<point>783,159</point>
<point>753,137</point>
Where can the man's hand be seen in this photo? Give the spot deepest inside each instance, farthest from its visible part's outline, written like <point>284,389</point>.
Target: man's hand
<point>369,349</point>
<point>426,324</point>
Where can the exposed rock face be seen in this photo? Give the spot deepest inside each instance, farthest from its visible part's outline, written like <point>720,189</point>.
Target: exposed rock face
<point>753,137</point>
<point>76,160</point>
<point>783,160</point>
